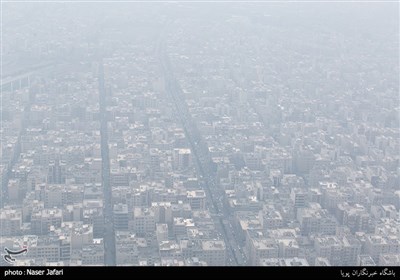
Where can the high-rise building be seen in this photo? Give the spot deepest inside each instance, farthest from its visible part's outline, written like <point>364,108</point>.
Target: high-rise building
<point>263,248</point>
<point>10,221</point>
<point>56,172</point>
<point>121,217</point>
<point>43,219</point>
<point>143,221</point>
<point>197,199</point>
<point>375,245</point>
<point>181,159</point>
<point>214,252</point>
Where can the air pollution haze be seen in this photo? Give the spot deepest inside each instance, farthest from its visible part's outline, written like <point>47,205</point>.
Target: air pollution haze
<point>199,134</point>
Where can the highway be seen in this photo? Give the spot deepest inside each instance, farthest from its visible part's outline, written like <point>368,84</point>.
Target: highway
<point>202,160</point>
<point>109,233</point>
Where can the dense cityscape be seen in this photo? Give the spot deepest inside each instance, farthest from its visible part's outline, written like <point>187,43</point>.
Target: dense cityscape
<point>200,134</point>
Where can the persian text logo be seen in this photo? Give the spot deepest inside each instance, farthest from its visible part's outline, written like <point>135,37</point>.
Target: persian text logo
<point>9,256</point>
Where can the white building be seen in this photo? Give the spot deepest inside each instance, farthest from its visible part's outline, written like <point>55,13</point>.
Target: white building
<point>214,252</point>
<point>143,221</point>
<point>93,254</point>
<point>263,248</point>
